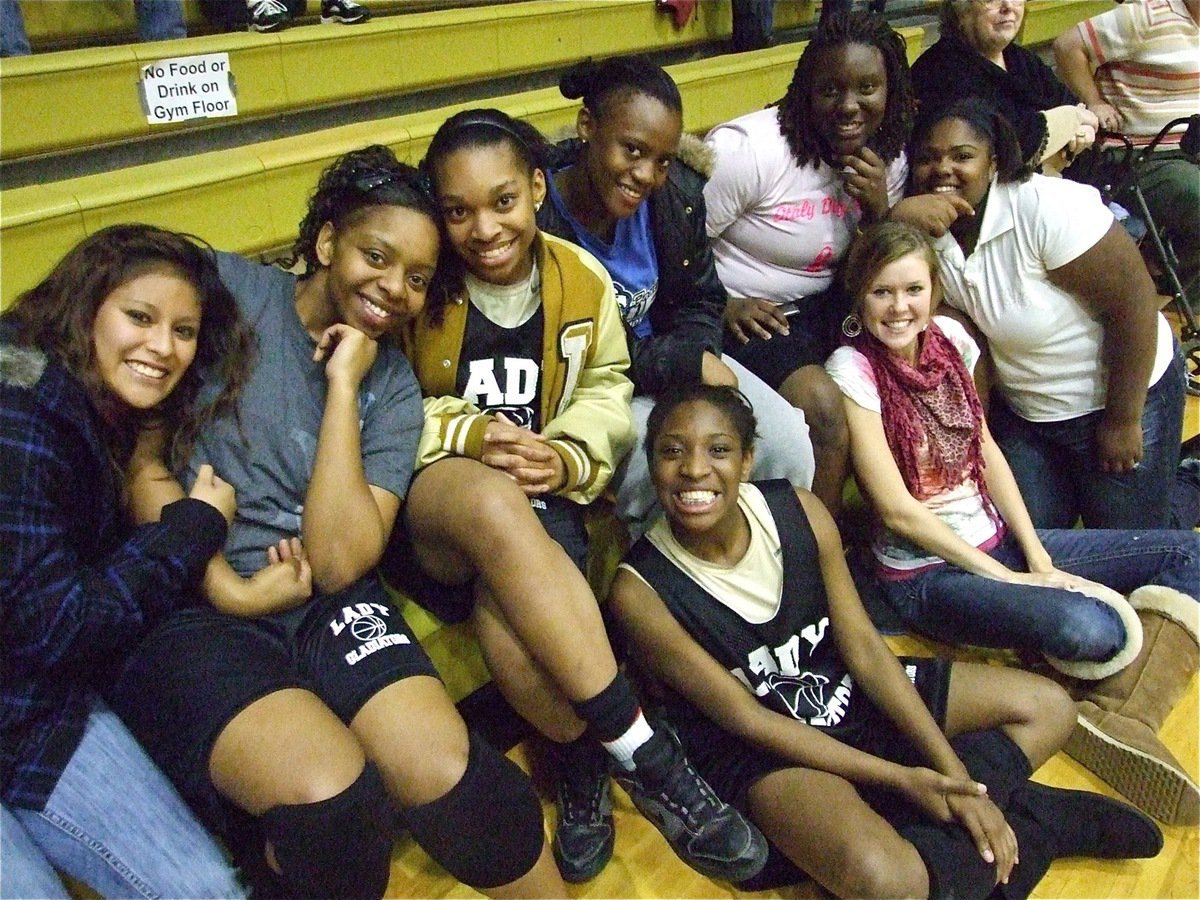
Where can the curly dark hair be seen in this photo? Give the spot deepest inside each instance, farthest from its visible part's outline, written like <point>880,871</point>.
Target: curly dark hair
<point>728,400</point>
<point>796,116</point>
<point>990,125</point>
<point>364,179</point>
<point>599,84</point>
<point>58,316</point>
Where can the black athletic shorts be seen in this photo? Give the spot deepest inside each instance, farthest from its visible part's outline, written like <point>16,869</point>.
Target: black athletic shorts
<point>198,668</point>
<point>564,520</point>
<point>814,332</point>
<point>731,766</point>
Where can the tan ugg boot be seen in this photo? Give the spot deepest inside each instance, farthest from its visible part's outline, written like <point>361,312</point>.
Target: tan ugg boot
<point>1116,735</point>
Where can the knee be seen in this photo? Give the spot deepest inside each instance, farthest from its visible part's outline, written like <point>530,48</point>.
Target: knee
<point>813,391</point>
<point>487,829</point>
<point>1087,630</point>
<point>1047,707</point>
<point>870,870</point>
<point>339,846</point>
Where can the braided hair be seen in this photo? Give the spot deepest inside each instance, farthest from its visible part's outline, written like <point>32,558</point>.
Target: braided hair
<point>368,178</point>
<point>796,115</point>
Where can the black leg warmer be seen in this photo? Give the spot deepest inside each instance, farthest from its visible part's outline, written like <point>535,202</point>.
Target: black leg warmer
<point>955,867</point>
<point>340,847</point>
<point>487,830</point>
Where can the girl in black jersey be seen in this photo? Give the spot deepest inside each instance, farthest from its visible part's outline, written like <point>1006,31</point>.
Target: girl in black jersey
<point>875,776</point>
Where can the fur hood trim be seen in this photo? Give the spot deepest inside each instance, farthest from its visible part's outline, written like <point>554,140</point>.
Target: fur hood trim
<point>21,366</point>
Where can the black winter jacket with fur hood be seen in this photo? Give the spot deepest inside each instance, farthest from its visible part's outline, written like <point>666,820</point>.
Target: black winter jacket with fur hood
<point>687,313</point>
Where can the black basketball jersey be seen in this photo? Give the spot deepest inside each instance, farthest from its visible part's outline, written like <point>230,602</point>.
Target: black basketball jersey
<point>790,662</point>
<point>500,369</point>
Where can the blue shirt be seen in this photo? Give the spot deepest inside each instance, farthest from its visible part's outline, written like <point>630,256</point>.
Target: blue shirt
<point>630,260</point>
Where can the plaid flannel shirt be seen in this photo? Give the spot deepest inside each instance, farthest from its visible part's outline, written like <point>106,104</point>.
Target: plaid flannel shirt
<point>78,584</point>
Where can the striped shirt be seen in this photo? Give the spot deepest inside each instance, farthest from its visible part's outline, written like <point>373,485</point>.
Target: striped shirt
<point>1147,56</point>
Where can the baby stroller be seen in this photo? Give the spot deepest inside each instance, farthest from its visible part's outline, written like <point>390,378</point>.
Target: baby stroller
<point>1116,174</point>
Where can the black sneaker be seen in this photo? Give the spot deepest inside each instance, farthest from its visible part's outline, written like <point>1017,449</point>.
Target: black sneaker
<point>346,12</point>
<point>583,838</point>
<point>268,15</point>
<point>705,832</point>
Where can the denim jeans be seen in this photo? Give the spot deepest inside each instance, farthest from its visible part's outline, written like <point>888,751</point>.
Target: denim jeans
<point>13,40</point>
<point>955,606</point>
<point>115,823</point>
<point>158,20</point>
<point>1057,471</point>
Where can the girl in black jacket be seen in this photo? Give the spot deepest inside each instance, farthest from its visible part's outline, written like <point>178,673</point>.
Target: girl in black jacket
<point>629,190</point>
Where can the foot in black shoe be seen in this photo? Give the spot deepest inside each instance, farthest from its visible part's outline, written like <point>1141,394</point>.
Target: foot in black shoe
<point>584,835</point>
<point>1083,823</point>
<point>344,12</point>
<point>706,833</point>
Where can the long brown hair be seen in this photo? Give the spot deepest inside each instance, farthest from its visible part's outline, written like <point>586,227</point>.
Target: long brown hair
<point>58,316</point>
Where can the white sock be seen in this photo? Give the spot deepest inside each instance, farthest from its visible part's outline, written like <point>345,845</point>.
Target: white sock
<point>638,732</point>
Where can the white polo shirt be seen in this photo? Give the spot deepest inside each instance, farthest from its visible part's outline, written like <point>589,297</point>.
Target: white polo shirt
<point>1046,346</point>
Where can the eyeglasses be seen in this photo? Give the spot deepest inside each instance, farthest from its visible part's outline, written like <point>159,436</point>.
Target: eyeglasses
<point>993,5</point>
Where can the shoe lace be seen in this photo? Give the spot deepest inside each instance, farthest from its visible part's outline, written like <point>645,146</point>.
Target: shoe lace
<point>688,795</point>
<point>582,797</point>
<point>269,7</point>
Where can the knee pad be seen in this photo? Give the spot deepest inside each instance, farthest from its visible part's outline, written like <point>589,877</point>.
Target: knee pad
<point>486,830</point>
<point>340,847</point>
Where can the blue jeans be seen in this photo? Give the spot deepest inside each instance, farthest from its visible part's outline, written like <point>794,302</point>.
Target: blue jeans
<point>115,823</point>
<point>958,607</point>
<point>13,40</point>
<point>1056,467</point>
<point>158,20</point>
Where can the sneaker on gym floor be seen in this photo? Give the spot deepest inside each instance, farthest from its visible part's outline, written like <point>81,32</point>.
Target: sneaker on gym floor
<point>705,832</point>
<point>347,12</point>
<point>268,15</point>
<point>583,837</point>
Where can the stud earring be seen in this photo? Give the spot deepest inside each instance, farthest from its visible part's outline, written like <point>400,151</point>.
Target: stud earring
<point>537,207</point>
<point>851,326</point>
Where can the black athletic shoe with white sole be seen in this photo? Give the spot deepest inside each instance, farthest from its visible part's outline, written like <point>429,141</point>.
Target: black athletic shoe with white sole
<point>268,15</point>
<point>708,834</point>
<point>344,12</point>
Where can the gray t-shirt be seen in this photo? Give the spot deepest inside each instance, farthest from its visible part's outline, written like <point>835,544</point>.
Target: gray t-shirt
<point>269,461</point>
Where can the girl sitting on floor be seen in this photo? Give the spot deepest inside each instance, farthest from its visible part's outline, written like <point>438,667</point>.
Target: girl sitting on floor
<point>958,557</point>
<point>787,699</point>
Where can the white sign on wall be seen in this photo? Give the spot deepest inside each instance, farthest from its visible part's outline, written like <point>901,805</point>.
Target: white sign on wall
<point>188,87</point>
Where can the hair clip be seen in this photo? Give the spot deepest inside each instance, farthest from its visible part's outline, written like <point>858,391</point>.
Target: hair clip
<point>368,183</point>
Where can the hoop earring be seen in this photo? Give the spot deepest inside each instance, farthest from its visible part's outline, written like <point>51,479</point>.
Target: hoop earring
<point>852,326</point>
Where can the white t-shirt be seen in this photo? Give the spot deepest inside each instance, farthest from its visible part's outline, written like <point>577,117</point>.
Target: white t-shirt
<point>960,505</point>
<point>1046,346</point>
<point>778,229</point>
